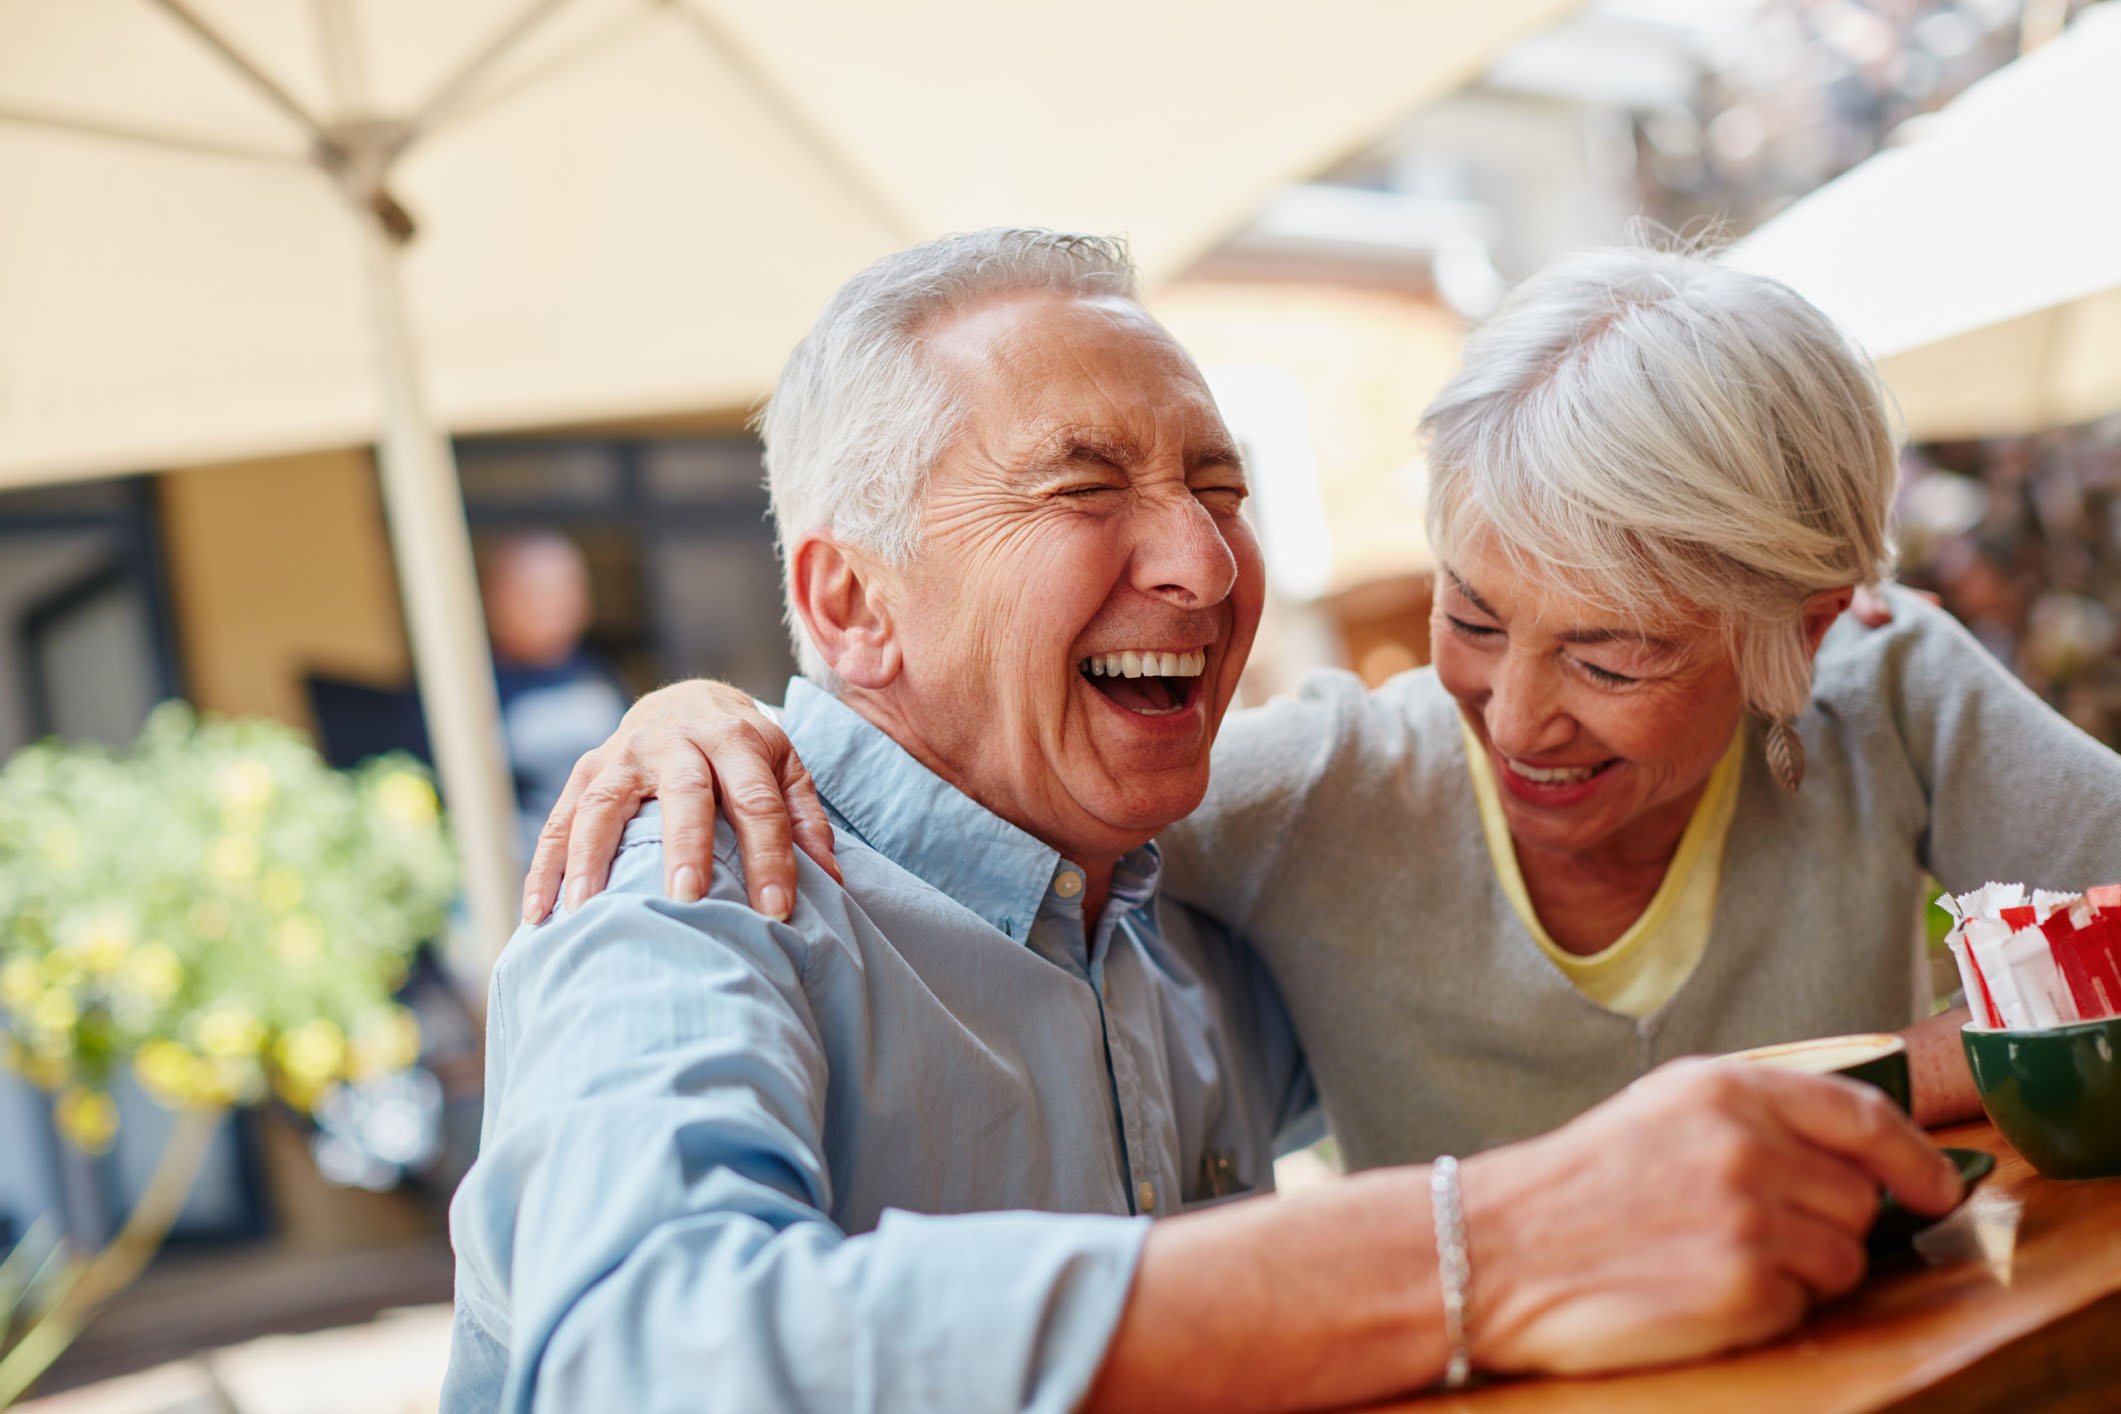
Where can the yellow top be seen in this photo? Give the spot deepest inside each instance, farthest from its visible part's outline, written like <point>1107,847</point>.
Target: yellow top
<point>1639,971</point>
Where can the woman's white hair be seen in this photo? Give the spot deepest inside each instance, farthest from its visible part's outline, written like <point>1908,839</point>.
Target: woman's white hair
<point>1648,427</point>
<point>860,414</point>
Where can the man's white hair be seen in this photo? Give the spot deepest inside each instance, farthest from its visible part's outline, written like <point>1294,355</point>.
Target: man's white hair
<point>861,414</point>
<point>1644,427</point>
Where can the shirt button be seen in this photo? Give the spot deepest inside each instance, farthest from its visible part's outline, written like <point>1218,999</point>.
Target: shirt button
<point>1069,884</point>
<point>1146,1196</point>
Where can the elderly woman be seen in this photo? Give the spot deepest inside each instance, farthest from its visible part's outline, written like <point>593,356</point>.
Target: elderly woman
<point>1652,798</point>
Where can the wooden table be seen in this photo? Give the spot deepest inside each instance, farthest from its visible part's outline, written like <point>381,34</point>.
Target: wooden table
<point>2012,1302</point>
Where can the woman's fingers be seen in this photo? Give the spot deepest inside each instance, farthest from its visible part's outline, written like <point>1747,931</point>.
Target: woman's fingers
<point>719,751</point>
<point>541,886</point>
<point>684,783</point>
<point>1825,1257</point>
<point>813,828</point>
<point>1859,1124</point>
<point>1827,1188</point>
<point>750,787</point>
<point>601,811</point>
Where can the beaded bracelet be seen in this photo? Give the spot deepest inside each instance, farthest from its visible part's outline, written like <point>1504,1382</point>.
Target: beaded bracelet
<point>1454,1267</point>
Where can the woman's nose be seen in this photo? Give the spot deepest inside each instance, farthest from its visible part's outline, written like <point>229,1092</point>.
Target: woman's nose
<point>1523,712</point>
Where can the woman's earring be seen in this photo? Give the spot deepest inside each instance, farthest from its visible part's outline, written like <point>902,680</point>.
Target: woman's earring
<point>1785,754</point>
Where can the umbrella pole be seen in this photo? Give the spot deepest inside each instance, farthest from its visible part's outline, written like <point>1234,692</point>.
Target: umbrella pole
<point>422,501</point>
<point>451,657</point>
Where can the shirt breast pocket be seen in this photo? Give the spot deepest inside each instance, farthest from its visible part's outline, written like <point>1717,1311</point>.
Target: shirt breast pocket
<point>1218,1182</point>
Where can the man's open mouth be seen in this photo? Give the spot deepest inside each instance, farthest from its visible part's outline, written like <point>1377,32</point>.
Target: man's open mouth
<point>1147,681</point>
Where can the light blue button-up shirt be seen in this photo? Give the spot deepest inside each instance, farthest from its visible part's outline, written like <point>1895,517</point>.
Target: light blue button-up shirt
<point>895,1153</point>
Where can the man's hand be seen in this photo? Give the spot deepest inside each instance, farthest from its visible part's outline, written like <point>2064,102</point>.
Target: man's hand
<point>688,745</point>
<point>1708,1207</point>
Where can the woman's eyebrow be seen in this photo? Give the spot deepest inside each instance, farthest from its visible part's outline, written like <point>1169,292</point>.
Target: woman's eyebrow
<point>1591,637</point>
<point>1466,592</point>
<point>1579,637</point>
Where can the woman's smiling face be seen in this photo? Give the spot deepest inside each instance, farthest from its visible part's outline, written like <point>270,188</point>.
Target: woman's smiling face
<point>1602,730</point>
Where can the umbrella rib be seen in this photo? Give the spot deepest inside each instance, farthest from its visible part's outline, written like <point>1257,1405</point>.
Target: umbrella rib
<point>716,36</point>
<point>286,102</point>
<point>131,132</point>
<point>452,89</point>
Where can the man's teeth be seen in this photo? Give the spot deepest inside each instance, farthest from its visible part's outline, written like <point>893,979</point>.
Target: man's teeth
<point>1561,776</point>
<point>1145,664</point>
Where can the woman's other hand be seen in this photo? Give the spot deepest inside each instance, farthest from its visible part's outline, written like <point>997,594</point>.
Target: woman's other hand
<point>688,745</point>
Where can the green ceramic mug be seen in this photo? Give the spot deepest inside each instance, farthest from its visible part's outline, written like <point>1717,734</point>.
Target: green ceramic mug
<point>2055,1093</point>
<point>1876,1058</point>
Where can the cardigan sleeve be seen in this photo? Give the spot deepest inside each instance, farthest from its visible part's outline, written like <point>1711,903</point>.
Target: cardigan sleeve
<point>2015,792</point>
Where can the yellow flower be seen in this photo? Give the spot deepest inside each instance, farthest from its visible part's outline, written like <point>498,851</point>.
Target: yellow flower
<point>281,889</point>
<point>233,859</point>
<point>230,1033</point>
<point>45,1070</point>
<point>104,940</point>
<point>42,1068</point>
<point>244,788</point>
<point>385,1043</point>
<point>230,1082</point>
<point>21,982</point>
<point>154,971</point>
<point>61,968</point>
<point>54,1013</point>
<point>88,1118</point>
<point>300,938</point>
<point>314,1052</point>
<point>303,1094</point>
<point>168,1072</point>
<point>406,799</point>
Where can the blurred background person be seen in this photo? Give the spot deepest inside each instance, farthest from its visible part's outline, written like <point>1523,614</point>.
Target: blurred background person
<point>558,697</point>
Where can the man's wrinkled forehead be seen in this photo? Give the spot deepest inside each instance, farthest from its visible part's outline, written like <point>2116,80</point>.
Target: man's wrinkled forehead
<point>1010,322</point>
<point>1033,348</point>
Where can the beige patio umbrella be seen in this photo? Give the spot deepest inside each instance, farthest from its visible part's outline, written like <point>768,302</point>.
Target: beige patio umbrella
<point>1980,263</point>
<point>234,228</point>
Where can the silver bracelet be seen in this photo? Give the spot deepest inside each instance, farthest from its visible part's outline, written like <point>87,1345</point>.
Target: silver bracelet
<point>1454,1267</point>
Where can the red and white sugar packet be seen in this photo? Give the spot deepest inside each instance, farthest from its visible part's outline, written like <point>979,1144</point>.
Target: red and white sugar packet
<point>2045,961</point>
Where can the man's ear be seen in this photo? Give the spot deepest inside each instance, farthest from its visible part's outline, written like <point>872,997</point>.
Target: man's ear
<point>1820,611</point>
<point>839,594</point>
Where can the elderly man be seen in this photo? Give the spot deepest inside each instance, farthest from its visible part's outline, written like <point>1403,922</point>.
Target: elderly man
<point>896,1141</point>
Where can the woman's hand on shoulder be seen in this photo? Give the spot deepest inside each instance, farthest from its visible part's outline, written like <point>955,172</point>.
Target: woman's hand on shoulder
<point>689,745</point>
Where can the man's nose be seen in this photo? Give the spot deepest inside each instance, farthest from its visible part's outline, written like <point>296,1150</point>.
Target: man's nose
<point>1180,553</point>
<point>1523,711</point>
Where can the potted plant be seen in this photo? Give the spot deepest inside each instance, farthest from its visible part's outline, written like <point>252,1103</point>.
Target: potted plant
<point>223,916</point>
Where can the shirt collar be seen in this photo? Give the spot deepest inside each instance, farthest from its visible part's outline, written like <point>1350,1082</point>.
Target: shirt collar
<point>928,827</point>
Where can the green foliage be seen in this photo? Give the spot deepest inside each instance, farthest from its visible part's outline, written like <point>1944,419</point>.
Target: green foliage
<point>217,909</point>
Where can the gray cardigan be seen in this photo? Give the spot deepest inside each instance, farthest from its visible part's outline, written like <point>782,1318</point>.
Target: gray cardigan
<point>1340,835</point>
